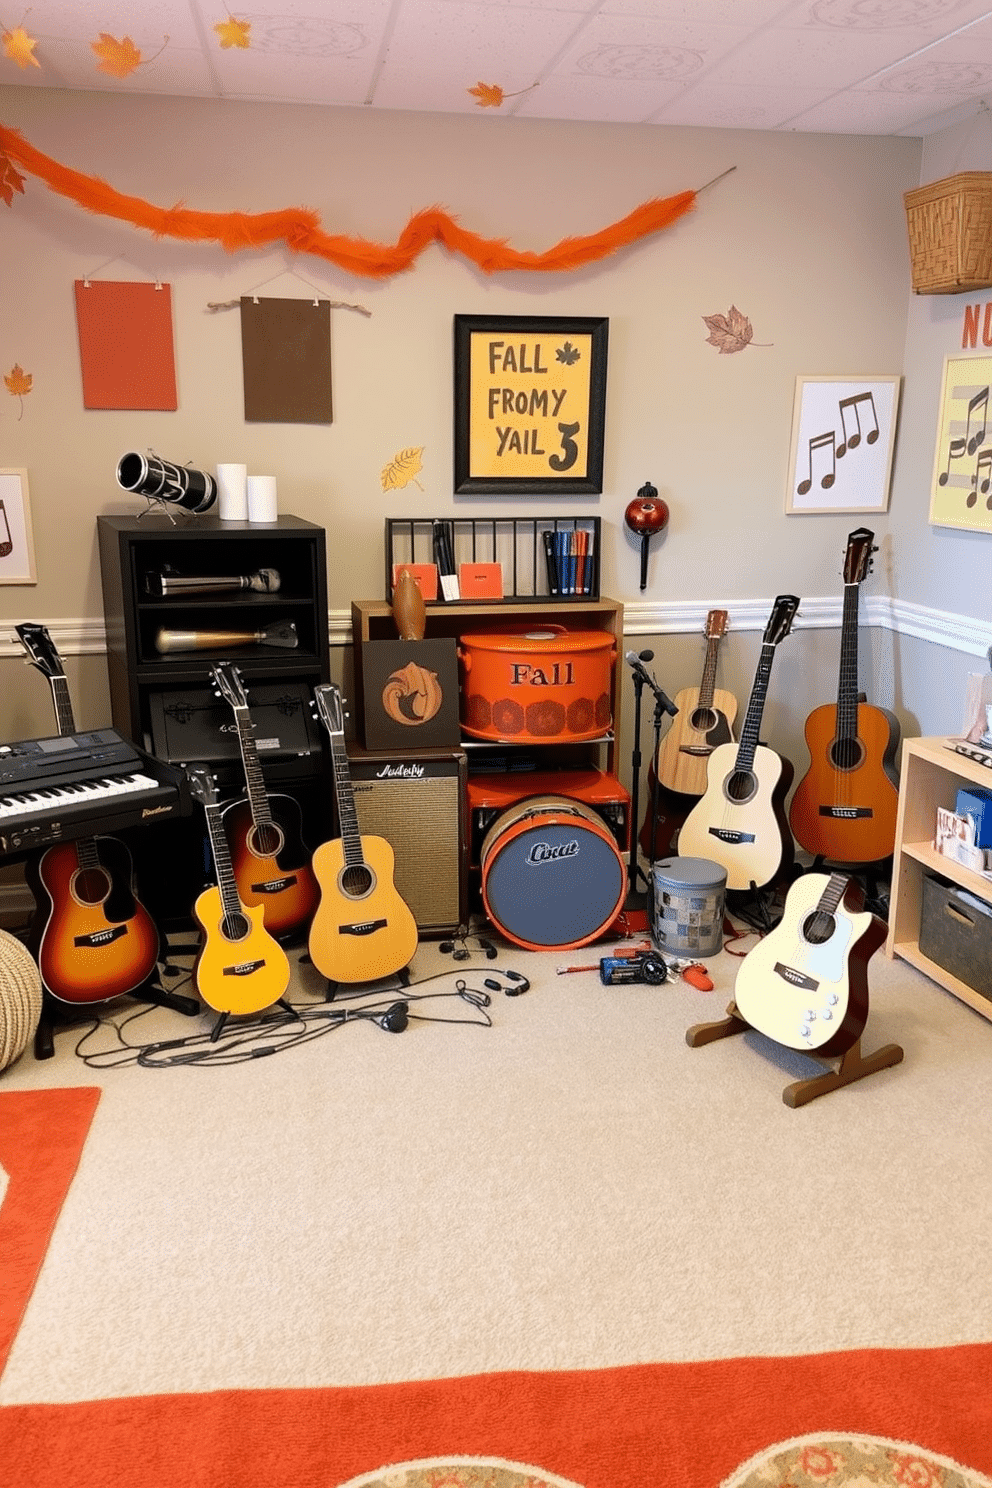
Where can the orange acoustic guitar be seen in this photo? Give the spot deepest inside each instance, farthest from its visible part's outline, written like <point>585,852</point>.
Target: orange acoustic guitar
<point>705,719</point>
<point>844,808</point>
<point>271,863</point>
<point>362,930</point>
<point>97,940</point>
<point>240,968</point>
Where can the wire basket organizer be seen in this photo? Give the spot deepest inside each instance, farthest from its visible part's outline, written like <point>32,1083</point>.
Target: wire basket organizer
<point>536,555</point>
<point>950,233</point>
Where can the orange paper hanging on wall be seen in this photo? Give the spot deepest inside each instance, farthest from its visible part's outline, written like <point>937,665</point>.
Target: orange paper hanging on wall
<point>125,344</point>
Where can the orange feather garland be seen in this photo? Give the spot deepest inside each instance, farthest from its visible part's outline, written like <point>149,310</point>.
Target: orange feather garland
<point>302,232</point>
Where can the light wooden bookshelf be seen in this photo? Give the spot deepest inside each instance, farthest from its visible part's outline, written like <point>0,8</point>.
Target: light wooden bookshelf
<point>931,775</point>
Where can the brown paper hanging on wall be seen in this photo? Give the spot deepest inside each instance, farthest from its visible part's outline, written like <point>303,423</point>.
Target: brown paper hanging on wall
<point>125,344</point>
<point>286,352</point>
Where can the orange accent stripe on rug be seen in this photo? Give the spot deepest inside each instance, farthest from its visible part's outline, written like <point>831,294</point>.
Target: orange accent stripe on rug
<point>690,1424</point>
<point>41,1138</point>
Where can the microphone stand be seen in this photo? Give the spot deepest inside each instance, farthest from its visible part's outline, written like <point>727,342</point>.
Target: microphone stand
<point>663,704</point>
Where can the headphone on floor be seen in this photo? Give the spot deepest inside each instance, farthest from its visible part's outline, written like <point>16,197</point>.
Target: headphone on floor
<point>518,983</point>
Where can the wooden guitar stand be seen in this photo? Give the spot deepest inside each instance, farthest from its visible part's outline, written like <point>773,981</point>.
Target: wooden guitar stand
<point>851,1066</point>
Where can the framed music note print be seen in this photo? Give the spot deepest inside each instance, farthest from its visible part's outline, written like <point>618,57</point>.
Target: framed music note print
<point>961,485</point>
<point>843,435</point>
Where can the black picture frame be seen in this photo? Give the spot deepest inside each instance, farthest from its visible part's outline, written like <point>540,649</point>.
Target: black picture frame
<point>509,413</point>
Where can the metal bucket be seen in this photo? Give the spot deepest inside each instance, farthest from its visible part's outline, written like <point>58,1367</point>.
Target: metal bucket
<point>689,899</point>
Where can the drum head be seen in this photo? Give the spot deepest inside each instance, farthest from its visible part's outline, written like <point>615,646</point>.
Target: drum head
<point>552,875</point>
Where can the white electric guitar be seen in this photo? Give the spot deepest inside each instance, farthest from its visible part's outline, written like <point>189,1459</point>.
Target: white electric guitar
<point>740,821</point>
<point>805,984</point>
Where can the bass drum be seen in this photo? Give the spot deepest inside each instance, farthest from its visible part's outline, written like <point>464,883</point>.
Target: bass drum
<point>552,874</point>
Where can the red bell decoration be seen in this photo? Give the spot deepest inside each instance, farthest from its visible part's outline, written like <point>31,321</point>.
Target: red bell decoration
<point>646,515</point>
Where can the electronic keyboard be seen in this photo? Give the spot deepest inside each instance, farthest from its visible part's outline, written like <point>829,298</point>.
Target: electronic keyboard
<point>73,785</point>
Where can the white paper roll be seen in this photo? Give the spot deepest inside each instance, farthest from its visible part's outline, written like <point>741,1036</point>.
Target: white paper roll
<point>262,498</point>
<point>232,493</point>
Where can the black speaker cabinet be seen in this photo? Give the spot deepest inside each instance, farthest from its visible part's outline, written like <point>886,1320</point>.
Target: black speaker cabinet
<point>416,800</point>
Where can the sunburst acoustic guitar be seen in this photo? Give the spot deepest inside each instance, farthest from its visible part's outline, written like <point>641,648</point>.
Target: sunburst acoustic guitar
<point>805,984</point>
<point>740,821</point>
<point>844,808</point>
<point>705,718</point>
<point>94,939</point>
<point>362,929</point>
<point>264,831</point>
<point>240,968</point>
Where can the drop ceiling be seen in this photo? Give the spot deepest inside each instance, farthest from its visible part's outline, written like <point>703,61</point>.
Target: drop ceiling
<point>873,67</point>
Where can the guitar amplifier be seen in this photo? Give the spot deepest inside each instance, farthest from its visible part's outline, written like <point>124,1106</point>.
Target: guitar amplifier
<point>191,726</point>
<point>416,801</point>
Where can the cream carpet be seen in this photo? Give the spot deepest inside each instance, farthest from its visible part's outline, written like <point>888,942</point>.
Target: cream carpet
<point>571,1187</point>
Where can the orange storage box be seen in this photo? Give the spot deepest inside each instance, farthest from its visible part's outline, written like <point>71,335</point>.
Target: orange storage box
<point>539,686</point>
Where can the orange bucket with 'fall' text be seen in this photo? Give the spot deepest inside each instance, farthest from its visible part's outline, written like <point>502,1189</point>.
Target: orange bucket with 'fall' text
<point>541,685</point>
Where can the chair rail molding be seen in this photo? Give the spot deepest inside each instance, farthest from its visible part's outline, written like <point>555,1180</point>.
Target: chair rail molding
<point>642,617</point>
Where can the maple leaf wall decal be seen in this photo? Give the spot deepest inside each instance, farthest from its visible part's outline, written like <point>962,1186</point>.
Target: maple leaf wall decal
<point>730,332</point>
<point>18,383</point>
<point>487,95</point>
<point>402,469</point>
<point>19,47</point>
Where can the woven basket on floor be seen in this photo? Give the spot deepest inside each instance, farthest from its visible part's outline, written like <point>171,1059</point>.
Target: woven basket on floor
<point>950,233</point>
<point>20,998</point>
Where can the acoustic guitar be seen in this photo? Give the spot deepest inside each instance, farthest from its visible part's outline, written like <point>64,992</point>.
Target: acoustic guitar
<point>805,984</point>
<point>264,832</point>
<point>844,808</point>
<point>239,968</point>
<point>362,930</point>
<point>740,821</point>
<point>705,718</point>
<point>93,938</point>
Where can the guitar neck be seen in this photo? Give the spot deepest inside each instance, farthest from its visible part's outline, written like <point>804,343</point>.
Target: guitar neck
<point>755,709</point>
<point>258,799</point>
<point>63,705</point>
<point>847,686</point>
<point>351,837</point>
<point>226,881</point>
<point>707,684</point>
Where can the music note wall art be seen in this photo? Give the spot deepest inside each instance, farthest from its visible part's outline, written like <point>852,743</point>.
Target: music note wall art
<point>961,485</point>
<point>843,435</point>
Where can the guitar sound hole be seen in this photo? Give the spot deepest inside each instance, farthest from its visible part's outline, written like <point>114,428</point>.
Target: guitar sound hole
<point>90,886</point>
<point>235,926</point>
<point>846,754</point>
<point>818,929</point>
<point>703,719</point>
<point>740,786</point>
<point>266,841</point>
<point>357,881</point>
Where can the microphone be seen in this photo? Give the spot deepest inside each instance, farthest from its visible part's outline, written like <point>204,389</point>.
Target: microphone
<point>637,660</point>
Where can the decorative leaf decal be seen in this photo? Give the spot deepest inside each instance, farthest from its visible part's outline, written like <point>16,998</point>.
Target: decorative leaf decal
<point>19,47</point>
<point>10,180</point>
<point>121,58</point>
<point>568,354</point>
<point>730,332</point>
<point>234,33</point>
<point>488,95</point>
<point>18,383</point>
<point>403,469</point>
<point>491,95</point>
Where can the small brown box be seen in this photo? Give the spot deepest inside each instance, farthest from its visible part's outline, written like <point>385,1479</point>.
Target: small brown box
<point>950,233</point>
<point>956,933</point>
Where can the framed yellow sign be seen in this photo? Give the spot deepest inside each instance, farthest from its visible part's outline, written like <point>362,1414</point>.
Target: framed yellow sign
<point>530,403</point>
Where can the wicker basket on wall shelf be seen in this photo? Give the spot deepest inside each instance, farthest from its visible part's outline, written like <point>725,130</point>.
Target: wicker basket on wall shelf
<point>950,233</point>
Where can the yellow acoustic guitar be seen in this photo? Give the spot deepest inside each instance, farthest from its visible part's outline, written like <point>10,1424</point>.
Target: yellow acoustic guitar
<point>362,930</point>
<point>239,968</point>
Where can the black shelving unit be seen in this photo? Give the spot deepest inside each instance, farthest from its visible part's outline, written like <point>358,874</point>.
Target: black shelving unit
<point>148,685</point>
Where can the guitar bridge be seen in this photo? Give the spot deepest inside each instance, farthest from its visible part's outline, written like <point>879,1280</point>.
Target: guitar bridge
<point>846,813</point>
<point>726,834</point>
<point>365,927</point>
